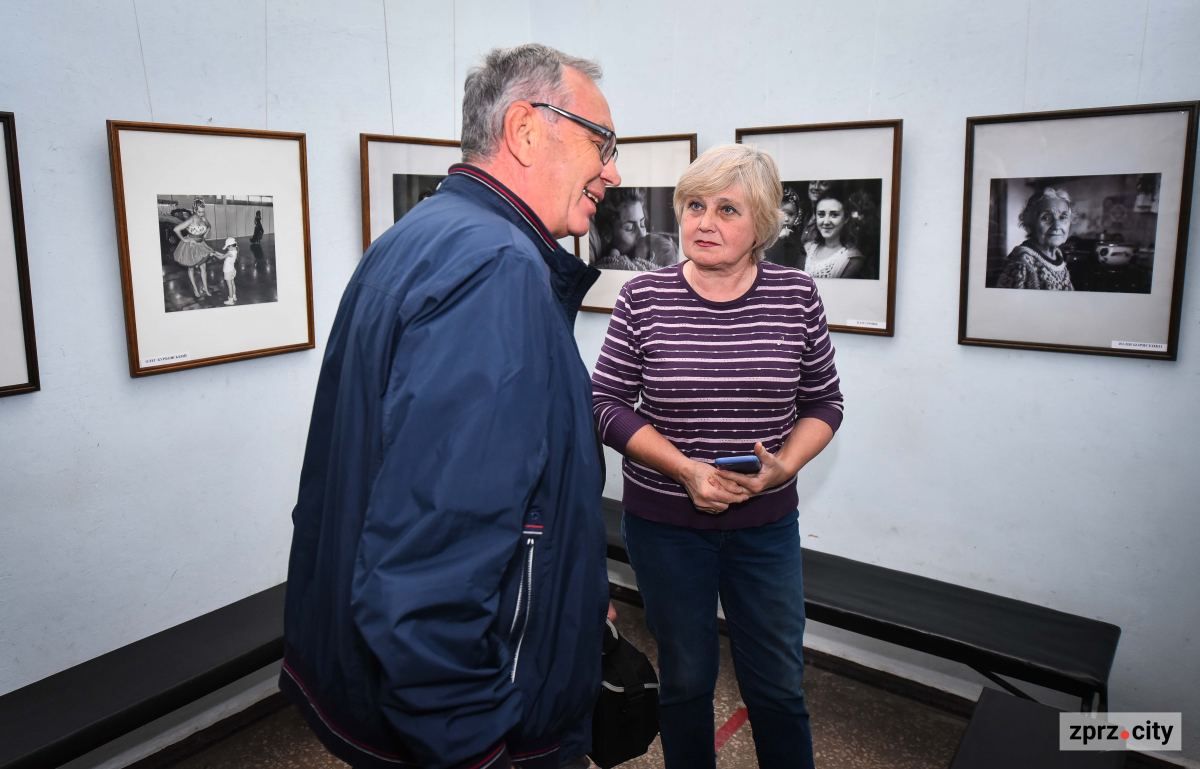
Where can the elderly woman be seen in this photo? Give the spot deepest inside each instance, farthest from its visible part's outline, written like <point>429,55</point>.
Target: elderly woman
<point>1038,262</point>
<point>729,355</point>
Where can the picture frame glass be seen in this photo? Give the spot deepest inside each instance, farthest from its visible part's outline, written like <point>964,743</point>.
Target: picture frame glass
<point>217,245</point>
<point>14,369</point>
<point>634,229</point>
<point>850,251</point>
<point>1118,183</point>
<point>399,175</point>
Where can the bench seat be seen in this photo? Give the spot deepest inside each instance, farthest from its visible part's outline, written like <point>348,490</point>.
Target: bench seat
<point>992,634</point>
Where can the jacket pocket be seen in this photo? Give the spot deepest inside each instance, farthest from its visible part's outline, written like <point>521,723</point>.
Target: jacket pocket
<point>524,610</point>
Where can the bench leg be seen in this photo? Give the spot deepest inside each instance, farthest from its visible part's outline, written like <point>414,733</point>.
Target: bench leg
<point>1001,682</point>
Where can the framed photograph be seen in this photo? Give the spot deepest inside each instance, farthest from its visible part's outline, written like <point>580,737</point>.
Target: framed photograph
<point>841,204</point>
<point>397,173</point>
<point>1075,229</point>
<point>212,229</point>
<point>18,352</point>
<point>634,228</point>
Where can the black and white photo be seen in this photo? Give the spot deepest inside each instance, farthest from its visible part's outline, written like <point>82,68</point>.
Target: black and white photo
<point>214,251</point>
<point>398,172</point>
<point>1075,229</point>
<point>634,229</point>
<point>830,228</point>
<point>841,210</point>
<point>1080,233</point>
<point>217,251</point>
<point>410,189</point>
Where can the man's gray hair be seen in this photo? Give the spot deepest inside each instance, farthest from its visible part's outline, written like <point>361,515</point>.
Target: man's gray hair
<point>529,72</point>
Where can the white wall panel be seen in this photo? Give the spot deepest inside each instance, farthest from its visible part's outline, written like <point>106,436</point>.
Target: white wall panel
<point>130,506</point>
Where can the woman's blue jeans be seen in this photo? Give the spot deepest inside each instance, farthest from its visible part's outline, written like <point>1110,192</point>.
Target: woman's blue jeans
<point>756,572</point>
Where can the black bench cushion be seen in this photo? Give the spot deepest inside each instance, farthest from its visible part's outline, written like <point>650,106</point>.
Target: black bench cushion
<point>61,717</point>
<point>1001,635</point>
<point>1007,732</point>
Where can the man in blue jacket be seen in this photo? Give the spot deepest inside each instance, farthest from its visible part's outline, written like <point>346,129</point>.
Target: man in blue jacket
<point>447,585</point>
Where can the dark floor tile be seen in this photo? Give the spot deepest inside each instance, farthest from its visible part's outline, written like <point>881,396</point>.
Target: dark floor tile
<point>854,725</point>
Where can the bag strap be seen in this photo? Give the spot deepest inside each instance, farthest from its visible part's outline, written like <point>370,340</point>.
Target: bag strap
<point>618,656</point>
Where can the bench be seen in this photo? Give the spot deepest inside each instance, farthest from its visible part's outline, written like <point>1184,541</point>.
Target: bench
<point>63,716</point>
<point>1006,731</point>
<point>993,635</point>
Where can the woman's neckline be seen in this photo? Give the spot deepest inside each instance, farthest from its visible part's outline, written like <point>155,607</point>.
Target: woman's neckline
<point>758,270</point>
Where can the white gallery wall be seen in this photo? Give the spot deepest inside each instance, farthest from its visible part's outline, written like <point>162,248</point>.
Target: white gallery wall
<point>128,506</point>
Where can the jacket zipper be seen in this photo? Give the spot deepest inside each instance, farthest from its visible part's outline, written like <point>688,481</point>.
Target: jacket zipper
<point>526,590</point>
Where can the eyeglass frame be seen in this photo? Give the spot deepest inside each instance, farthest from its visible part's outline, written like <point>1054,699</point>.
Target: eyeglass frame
<point>610,136</point>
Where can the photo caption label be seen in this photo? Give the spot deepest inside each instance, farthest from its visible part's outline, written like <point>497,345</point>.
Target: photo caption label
<point>1120,731</point>
<point>1139,346</point>
<point>163,360</point>
<point>866,323</point>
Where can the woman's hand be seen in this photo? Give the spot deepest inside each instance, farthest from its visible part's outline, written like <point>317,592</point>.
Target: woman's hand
<point>772,473</point>
<point>709,492</point>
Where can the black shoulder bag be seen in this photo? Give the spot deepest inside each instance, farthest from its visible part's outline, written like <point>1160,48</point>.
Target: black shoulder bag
<point>625,721</point>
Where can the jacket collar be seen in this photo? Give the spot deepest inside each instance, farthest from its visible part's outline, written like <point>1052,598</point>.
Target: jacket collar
<point>570,278</point>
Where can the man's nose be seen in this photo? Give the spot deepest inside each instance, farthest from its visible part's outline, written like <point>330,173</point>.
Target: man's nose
<point>609,174</point>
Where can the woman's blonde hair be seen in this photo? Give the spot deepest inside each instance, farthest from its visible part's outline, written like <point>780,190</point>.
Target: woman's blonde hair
<point>744,165</point>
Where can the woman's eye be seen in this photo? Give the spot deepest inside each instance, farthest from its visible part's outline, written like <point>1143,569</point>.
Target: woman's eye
<point>694,205</point>
<point>729,210</point>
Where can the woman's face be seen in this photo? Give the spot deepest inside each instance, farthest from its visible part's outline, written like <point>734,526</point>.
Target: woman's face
<point>816,189</point>
<point>718,230</point>
<point>831,218</point>
<point>1053,224</point>
<point>630,227</point>
<point>199,209</point>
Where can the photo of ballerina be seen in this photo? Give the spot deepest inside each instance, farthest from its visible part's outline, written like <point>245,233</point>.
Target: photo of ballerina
<point>410,189</point>
<point>1073,233</point>
<point>217,251</point>
<point>830,228</point>
<point>634,229</point>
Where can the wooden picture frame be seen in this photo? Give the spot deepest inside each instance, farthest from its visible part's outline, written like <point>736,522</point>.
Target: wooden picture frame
<point>396,155</point>
<point>653,164</point>
<point>863,159</point>
<point>217,165</point>
<point>1123,178</point>
<point>18,345</point>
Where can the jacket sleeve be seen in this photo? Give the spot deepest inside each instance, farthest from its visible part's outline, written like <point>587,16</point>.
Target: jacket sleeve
<point>818,394</point>
<point>617,378</point>
<point>464,444</point>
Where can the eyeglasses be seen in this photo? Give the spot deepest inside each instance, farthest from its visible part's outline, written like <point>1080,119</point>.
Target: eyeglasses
<point>608,152</point>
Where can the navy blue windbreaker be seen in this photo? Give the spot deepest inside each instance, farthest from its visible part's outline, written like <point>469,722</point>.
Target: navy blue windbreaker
<point>447,586</point>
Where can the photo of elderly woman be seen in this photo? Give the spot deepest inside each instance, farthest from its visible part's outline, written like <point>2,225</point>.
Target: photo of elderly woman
<point>1073,233</point>
<point>194,233</point>
<point>634,228</point>
<point>410,189</point>
<point>831,228</point>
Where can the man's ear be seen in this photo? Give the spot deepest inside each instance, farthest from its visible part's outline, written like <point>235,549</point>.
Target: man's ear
<point>522,131</point>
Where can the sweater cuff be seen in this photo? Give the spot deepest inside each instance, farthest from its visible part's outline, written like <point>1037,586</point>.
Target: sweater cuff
<point>624,424</point>
<point>495,757</point>
<point>827,414</point>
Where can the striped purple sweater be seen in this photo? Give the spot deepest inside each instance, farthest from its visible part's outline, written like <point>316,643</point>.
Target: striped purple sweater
<point>713,378</point>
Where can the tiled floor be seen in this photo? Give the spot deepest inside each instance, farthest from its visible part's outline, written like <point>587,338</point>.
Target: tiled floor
<point>854,725</point>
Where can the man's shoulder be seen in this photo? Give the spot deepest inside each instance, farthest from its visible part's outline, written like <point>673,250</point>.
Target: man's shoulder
<point>443,237</point>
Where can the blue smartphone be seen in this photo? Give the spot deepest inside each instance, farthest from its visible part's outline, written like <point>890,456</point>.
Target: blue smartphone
<point>749,465</point>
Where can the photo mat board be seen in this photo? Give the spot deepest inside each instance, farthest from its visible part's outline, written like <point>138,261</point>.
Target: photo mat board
<point>1075,229</point>
<point>18,350</point>
<point>212,228</point>
<point>634,229</point>
<point>397,173</point>
<point>841,204</point>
